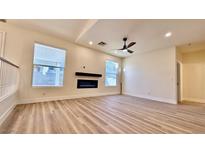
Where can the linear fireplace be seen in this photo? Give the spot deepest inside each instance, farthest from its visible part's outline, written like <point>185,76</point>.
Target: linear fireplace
<point>87,84</point>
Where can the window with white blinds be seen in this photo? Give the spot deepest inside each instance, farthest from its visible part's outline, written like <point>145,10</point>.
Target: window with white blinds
<point>111,72</point>
<point>48,66</point>
<point>9,73</point>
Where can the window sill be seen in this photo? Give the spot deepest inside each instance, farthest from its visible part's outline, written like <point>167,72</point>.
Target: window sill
<point>47,86</point>
<point>110,86</point>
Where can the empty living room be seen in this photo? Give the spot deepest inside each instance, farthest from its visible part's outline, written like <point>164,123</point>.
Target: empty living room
<point>101,83</point>
<point>62,76</point>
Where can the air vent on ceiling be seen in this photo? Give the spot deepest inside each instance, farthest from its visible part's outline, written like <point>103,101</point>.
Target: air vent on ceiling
<point>3,20</point>
<point>102,43</point>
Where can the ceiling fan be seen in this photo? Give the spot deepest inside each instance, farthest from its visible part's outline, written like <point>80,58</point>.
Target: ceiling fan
<point>125,46</point>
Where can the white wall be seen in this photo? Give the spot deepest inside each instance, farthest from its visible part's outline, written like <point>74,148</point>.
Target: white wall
<point>194,76</point>
<point>19,49</point>
<point>151,75</point>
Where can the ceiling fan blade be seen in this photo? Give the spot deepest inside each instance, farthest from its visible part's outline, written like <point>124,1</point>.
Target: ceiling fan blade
<point>131,44</point>
<point>130,51</point>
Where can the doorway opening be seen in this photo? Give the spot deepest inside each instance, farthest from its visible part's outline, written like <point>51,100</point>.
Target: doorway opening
<point>179,82</point>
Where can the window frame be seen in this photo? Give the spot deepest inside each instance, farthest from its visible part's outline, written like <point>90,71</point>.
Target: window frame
<point>47,86</point>
<point>117,75</point>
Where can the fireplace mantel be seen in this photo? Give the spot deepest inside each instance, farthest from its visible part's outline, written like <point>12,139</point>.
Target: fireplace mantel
<point>87,74</point>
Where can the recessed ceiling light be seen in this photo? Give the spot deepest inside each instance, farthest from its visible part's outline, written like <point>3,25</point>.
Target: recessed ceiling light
<point>168,34</point>
<point>91,43</point>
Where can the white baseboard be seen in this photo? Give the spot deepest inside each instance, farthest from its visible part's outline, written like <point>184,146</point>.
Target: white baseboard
<point>6,114</point>
<point>165,100</point>
<point>36,100</point>
<point>194,100</point>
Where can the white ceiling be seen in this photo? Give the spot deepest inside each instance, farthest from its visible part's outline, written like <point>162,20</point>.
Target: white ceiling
<point>66,29</point>
<point>148,34</point>
<point>191,47</point>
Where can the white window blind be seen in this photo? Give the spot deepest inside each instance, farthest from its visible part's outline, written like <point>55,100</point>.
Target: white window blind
<point>111,73</point>
<point>48,66</point>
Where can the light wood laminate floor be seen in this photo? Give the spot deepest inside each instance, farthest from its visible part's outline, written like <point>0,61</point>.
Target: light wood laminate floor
<point>106,114</point>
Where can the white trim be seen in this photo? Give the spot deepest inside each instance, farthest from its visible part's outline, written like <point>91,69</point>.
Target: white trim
<point>198,100</point>
<point>36,100</point>
<point>163,100</point>
<point>6,114</point>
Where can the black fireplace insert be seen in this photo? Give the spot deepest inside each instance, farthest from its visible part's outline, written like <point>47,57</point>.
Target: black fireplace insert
<point>87,83</point>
